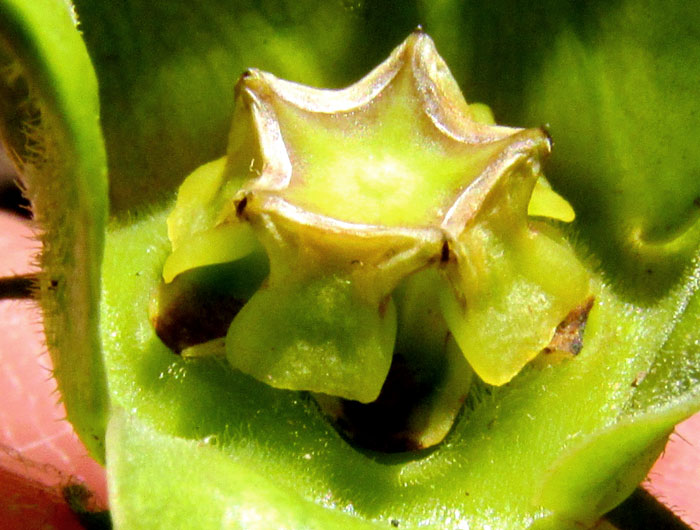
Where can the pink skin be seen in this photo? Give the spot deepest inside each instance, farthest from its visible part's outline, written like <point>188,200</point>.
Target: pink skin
<point>675,478</point>
<point>39,453</point>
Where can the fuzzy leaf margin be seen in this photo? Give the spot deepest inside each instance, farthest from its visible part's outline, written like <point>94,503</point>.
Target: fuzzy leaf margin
<point>50,122</point>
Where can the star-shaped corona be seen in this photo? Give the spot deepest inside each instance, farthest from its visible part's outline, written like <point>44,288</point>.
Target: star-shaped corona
<point>351,192</point>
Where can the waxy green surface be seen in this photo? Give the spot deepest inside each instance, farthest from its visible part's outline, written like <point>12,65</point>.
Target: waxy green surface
<point>613,83</point>
<point>351,192</point>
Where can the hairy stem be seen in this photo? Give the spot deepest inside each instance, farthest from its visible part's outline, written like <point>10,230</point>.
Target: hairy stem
<point>19,287</point>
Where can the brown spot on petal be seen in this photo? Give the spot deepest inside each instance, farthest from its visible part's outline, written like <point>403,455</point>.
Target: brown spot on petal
<point>200,304</point>
<point>186,316</point>
<point>568,337</point>
<point>445,252</point>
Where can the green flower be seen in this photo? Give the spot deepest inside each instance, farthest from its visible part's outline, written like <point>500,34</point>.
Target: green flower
<point>137,96</point>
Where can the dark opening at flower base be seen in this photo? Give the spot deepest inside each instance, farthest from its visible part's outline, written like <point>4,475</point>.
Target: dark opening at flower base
<point>383,247</point>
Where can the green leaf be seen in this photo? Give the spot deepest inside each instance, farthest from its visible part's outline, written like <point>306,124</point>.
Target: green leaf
<point>626,163</point>
<point>167,71</point>
<point>251,501</point>
<point>49,121</point>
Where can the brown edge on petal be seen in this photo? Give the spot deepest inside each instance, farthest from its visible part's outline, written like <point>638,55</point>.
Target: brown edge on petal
<point>568,336</point>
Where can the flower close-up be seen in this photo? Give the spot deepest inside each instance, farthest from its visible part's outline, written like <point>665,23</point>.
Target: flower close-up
<point>362,265</point>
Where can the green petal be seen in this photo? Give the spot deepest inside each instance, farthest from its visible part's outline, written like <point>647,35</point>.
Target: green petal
<point>316,335</point>
<point>513,284</point>
<point>221,244</point>
<point>545,202</point>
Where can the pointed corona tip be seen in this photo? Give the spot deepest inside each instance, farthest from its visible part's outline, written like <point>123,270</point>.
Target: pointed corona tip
<point>550,139</point>
<point>412,84</point>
